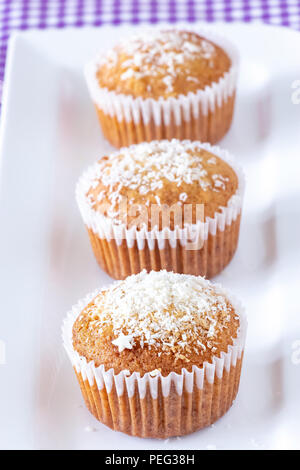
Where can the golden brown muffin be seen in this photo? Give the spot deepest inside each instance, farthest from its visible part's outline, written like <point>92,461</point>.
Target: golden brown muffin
<point>171,185</point>
<point>166,172</point>
<point>159,354</point>
<point>162,65</point>
<point>157,321</point>
<point>165,84</point>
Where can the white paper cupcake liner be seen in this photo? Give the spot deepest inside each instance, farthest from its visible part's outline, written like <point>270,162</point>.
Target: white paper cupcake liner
<point>191,106</point>
<point>191,234</point>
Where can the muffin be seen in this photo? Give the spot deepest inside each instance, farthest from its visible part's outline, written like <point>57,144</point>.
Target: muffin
<point>164,85</point>
<point>173,205</point>
<point>158,354</point>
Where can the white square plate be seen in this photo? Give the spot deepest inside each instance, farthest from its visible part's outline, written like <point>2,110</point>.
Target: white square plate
<point>49,135</point>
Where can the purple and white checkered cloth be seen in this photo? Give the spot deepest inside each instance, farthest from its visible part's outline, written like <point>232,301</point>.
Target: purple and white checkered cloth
<point>25,14</point>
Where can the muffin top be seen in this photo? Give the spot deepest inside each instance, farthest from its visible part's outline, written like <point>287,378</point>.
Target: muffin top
<point>163,64</point>
<point>139,185</point>
<point>157,321</point>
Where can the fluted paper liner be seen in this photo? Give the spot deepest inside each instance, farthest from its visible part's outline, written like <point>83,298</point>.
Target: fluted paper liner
<point>205,115</point>
<point>157,406</point>
<point>121,251</point>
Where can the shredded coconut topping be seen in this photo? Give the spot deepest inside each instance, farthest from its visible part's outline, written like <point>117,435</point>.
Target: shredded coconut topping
<point>153,52</point>
<point>162,63</point>
<point>183,197</point>
<point>162,309</point>
<point>144,168</point>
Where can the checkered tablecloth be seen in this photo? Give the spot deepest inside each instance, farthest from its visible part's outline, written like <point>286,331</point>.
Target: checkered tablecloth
<point>25,14</point>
